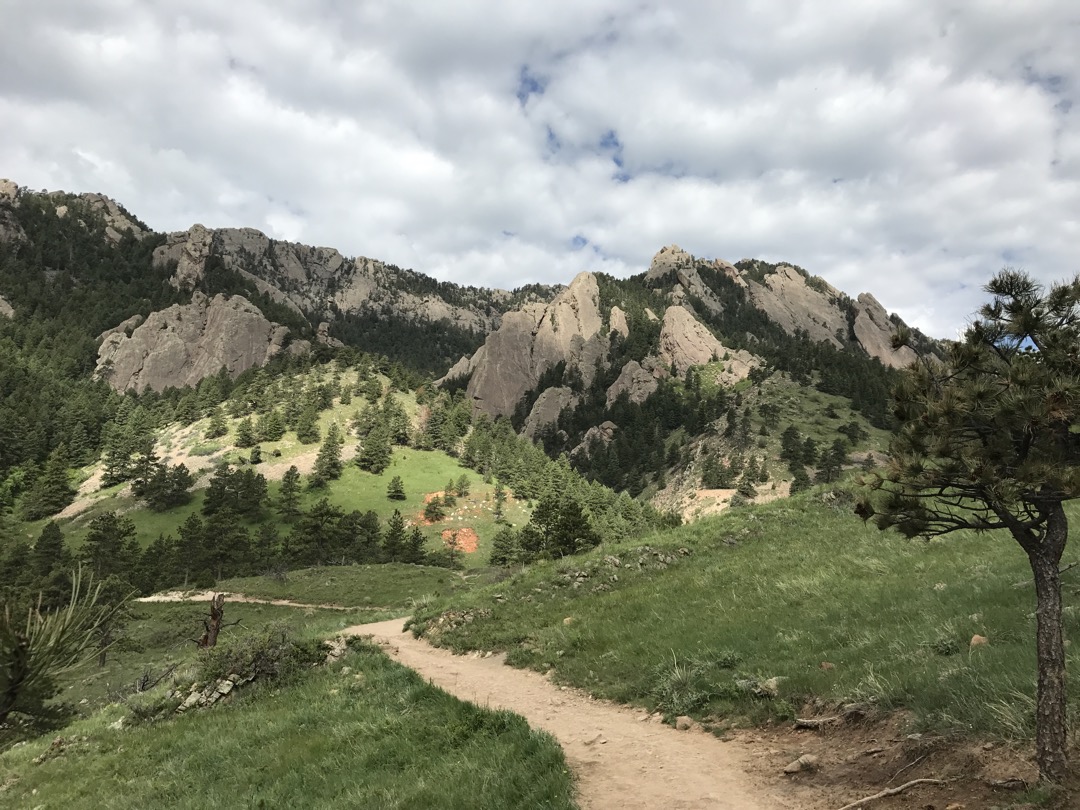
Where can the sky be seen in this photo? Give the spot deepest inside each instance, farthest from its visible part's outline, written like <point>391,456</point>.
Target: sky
<point>909,148</point>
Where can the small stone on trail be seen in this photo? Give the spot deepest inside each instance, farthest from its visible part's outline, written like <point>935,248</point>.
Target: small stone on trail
<point>807,762</point>
<point>596,738</point>
<point>568,620</point>
<point>684,723</point>
<point>955,806</point>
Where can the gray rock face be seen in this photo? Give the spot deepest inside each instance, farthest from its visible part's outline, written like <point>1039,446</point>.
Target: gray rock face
<point>636,381</point>
<point>532,340</point>
<point>789,301</point>
<point>618,323</point>
<point>602,433</point>
<point>686,342</point>
<point>180,345</point>
<point>312,279</point>
<point>675,266</point>
<point>6,310</point>
<point>546,409</point>
<point>10,229</point>
<point>874,331</point>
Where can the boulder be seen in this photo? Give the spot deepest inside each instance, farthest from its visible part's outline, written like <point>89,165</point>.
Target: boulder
<point>6,310</point>
<point>180,345</point>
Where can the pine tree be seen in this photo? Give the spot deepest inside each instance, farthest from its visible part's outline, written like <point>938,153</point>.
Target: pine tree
<point>375,452</point>
<point>245,433</point>
<point>307,425</point>
<point>504,547</point>
<point>987,441</point>
<point>106,548</point>
<point>395,490</point>
<point>52,490</point>
<point>328,465</point>
<point>433,510</point>
<point>394,538</point>
<point>448,497</point>
<point>289,495</point>
<point>217,427</point>
<point>500,500</point>
<point>49,553</point>
<point>462,486</point>
<point>414,547</point>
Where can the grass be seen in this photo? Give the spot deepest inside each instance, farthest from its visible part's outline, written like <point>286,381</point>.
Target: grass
<point>773,592</point>
<point>161,635</point>
<point>390,586</point>
<point>364,733</point>
<point>423,472</point>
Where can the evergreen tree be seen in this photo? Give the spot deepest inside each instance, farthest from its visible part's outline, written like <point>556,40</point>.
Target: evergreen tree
<point>433,510</point>
<point>375,452</point>
<point>217,427</point>
<point>414,547</point>
<point>394,538</point>
<point>307,425</point>
<point>462,486</point>
<point>289,495</point>
<point>504,547</point>
<point>987,441</point>
<point>272,428</point>
<point>500,500</point>
<point>108,545</point>
<point>49,553</point>
<point>449,498</point>
<point>192,564</point>
<point>245,433</point>
<point>328,464</point>
<point>256,455</point>
<point>395,491</point>
<point>52,490</point>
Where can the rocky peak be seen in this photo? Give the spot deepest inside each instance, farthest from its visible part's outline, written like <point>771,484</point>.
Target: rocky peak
<point>686,342</point>
<point>874,330</point>
<point>533,339</point>
<point>9,189</point>
<point>180,345</point>
<point>674,266</point>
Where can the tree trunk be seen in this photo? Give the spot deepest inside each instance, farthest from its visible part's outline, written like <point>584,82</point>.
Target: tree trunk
<point>212,626</point>
<point>1050,737</point>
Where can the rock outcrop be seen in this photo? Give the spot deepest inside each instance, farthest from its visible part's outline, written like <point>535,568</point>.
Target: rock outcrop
<point>319,279</point>
<point>533,339</point>
<point>675,267</point>
<point>788,300</point>
<point>6,310</point>
<point>180,345</point>
<point>602,434</point>
<point>636,381</point>
<point>874,330</point>
<point>545,411</point>
<point>10,229</point>
<point>686,342</point>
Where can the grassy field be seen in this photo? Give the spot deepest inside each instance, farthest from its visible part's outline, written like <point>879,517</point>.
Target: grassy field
<point>160,635</point>
<point>771,607</point>
<point>365,732</point>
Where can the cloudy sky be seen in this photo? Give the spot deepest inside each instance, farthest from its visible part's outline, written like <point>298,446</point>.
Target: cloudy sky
<point>905,147</point>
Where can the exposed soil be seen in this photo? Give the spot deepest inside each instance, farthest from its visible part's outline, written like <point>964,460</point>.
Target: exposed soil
<point>623,758</point>
<point>467,539</point>
<point>206,596</point>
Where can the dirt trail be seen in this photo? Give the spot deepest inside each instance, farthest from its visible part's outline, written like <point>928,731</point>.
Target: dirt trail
<point>206,596</point>
<point>622,759</point>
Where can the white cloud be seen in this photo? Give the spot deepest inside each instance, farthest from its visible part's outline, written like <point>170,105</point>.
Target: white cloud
<point>905,148</point>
